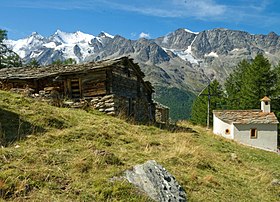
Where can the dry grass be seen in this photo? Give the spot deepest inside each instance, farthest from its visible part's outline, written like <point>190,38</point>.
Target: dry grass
<point>71,155</point>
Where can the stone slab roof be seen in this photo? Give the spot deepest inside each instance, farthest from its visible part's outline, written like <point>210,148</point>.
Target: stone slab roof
<point>52,70</point>
<point>246,116</point>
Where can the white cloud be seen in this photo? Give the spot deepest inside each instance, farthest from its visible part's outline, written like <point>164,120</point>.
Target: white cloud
<point>238,11</point>
<point>144,35</point>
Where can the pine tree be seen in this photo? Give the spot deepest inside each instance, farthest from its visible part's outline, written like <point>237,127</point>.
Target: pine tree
<point>33,63</point>
<point>275,102</point>
<point>3,35</point>
<point>69,61</point>
<point>57,62</point>
<point>257,82</point>
<point>8,58</point>
<point>199,108</point>
<point>233,85</point>
<point>10,61</point>
<point>249,83</point>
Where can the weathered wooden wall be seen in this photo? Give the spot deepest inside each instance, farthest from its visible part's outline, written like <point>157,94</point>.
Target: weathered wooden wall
<point>134,100</point>
<point>115,89</point>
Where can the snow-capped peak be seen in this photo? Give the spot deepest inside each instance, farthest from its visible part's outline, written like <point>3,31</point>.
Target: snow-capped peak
<point>35,35</point>
<point>191,31</point>
<point>24,46</point>
<point>72,38</point>
<point>104,34</point>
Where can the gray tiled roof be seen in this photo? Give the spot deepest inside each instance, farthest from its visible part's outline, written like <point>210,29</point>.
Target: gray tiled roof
<point>246,116</point>
<point>52,70</point>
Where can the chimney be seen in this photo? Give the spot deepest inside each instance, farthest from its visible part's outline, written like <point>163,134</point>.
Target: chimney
<point>265,104</point>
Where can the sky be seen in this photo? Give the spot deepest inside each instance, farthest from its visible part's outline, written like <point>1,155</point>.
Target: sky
<point>137,18</point>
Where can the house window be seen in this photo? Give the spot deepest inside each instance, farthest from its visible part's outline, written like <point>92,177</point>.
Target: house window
<point>227,131</point>
<point>253,133</point>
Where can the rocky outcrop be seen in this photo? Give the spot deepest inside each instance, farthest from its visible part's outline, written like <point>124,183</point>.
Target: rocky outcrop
<point>156,182</point>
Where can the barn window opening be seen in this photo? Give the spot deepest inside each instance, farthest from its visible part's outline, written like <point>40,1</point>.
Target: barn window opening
<point>253,133</point>
<point>75,88</point>
<point>227,131</point>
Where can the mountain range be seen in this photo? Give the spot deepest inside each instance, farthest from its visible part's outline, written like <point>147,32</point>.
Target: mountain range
<point>181,60</point>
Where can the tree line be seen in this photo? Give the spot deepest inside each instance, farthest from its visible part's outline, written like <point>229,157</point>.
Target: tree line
<point>245,86</point>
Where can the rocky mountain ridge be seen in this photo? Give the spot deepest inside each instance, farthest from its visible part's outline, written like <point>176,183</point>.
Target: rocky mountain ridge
<point>178,64</point>
<point>182,59</point>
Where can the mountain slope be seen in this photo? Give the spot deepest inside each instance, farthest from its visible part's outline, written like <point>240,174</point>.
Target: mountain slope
<point>186,58</point>
<point>183,59</point>
<point>71,155</point>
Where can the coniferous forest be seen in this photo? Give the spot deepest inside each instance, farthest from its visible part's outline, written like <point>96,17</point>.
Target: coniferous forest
<point>245,86</point>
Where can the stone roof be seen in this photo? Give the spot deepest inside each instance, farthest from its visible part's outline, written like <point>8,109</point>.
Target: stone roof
<point>53,70</point>
<point>265,99</point>
<point>246,116</point>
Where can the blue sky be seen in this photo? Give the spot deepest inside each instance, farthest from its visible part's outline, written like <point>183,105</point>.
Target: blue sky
<point>135,18</point>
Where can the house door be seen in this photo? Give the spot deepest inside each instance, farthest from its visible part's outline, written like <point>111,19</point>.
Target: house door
<point>75,88</point>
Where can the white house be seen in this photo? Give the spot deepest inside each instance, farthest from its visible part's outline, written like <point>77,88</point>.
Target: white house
<point>257,128</point>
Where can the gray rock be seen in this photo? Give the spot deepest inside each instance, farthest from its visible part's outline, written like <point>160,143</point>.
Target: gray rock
<point>156,182</point>
<point>111,109</point>
<point>275,182</point>
<point>106,97</point>
<point>107,105</point>
<point>95,100</point>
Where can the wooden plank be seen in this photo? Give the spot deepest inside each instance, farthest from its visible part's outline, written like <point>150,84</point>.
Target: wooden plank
<point>91,94</point>
<point>80,87</point>
<point>94,86</point>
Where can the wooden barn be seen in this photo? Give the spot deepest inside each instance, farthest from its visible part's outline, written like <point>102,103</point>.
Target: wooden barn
<point>113,86</point>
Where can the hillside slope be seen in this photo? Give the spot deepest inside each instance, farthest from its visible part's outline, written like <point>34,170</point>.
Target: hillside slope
<point>61,154</point>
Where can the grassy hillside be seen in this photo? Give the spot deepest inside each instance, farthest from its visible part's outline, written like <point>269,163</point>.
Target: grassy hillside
<point>57,154</point>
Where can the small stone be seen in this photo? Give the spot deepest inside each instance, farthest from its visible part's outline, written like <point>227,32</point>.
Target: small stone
<point>94,100</point>
<point>233,156</point>
<point>69,103</point>
<point>107,97</point>
<point>108,101</point>
<point>275,182</point>
<point>107,105</point>
<point>110,109</point>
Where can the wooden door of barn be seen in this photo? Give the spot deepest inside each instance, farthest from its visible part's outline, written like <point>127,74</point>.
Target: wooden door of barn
<point>74,86</point>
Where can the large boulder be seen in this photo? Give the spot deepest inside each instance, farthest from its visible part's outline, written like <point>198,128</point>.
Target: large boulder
<point>156,182</point>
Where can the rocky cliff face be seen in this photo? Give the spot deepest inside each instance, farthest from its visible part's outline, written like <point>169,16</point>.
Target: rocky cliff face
<point>182,59</point>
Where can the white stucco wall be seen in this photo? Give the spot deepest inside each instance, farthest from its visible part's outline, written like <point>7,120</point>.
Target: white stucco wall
<point>219,128</point>
<point>266,135</point>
